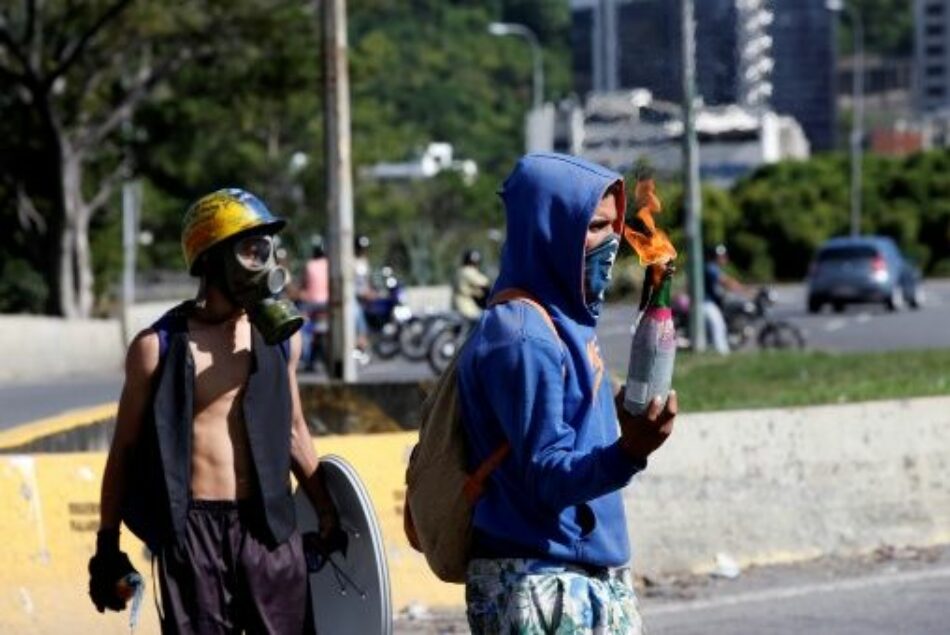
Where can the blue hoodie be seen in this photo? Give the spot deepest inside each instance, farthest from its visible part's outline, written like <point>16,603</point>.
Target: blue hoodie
<point>550,396</point>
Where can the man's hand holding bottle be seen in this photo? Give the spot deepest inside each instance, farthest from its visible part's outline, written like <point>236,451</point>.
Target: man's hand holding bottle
<point>112,578</point>
<point>642,434</point>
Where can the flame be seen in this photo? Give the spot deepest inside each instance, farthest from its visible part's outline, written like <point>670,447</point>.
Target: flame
<point>652,244</point>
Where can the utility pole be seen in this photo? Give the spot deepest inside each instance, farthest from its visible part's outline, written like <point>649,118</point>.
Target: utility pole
<point>691,188</point>
<point>131,213</point>
<point>856,142</point>
<point>339,183</point>
<point>857,124</point>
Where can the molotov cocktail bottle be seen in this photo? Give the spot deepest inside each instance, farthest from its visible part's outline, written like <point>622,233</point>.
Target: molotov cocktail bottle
<point>653,349</point>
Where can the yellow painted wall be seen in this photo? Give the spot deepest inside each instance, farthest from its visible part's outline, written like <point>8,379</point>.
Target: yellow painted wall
<point>50,515</point>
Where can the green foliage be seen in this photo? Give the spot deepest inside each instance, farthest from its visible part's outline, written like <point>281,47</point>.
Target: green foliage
<point>774,220</point>
<point>247,107</point>
<point>888,26</point>
<point>22,288</point>
<point>423,227</point>
<point>419,72</point>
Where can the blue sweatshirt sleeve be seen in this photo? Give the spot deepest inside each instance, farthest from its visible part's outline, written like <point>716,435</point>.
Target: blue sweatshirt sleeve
<point>524,381</point>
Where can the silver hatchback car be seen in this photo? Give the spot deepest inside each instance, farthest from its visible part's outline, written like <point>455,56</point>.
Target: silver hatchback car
<point>862,269</point>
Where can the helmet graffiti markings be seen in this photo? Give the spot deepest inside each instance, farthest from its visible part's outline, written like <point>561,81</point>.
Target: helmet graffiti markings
<point>219,216</point>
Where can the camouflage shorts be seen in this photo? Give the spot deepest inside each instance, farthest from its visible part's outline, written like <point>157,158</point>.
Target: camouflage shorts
<point>536,597</point>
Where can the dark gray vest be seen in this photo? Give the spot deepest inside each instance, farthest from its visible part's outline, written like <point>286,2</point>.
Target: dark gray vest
<point>159,487</point>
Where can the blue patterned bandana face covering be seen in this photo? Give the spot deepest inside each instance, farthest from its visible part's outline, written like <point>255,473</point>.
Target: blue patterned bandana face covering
<point>598,263</point>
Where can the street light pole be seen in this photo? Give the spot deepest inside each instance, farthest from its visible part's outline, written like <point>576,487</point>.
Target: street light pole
<point>857,123</point>
<point>520,30</point>
<point>692,198</point>
<point>856,141</point>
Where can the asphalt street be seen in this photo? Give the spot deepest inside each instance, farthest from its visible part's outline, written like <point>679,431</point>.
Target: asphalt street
<point>857,329</point>
<point>884,593</point>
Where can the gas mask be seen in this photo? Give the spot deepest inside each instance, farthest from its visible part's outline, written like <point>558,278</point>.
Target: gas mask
<point>598,263</point>
<point>246,270</point>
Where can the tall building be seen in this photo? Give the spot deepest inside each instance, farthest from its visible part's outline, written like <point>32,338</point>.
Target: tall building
<point>804,34</point>
<point>932,54</point>
<point>758,53</point>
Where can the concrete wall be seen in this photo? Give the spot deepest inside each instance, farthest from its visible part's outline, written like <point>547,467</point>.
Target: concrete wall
<point>33,347</point>
<point>789,484</point>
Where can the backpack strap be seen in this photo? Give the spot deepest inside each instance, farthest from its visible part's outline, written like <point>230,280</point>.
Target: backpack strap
<point>475,483</point>
<point>507,295</point>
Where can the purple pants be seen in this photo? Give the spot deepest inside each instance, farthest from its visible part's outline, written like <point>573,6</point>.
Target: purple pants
<point>221,579</point>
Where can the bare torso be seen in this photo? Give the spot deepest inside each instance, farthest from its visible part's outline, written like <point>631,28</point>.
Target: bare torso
<point>220,460</point>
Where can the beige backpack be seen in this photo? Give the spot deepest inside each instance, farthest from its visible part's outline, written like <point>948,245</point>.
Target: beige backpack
<point>440,493</point>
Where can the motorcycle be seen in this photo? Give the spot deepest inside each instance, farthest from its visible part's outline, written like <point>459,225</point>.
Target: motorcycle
<point>416,335</point>
<point>314,335</point>
<point>746,321</point>
<point>451,332</point>
<point>446,341</point>
<point>386,315</point>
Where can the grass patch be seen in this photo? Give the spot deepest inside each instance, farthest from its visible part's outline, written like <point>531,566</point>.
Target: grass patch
<point>797,378</point>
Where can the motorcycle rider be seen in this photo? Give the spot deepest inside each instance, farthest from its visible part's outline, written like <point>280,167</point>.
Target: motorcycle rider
<point>470,287</point>
<point>717,282</point>
<point>365,293</point>
<point>312,298</point>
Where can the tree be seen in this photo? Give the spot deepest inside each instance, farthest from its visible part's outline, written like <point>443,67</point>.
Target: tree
<point>201,94</point>
<point>888,27</point>
<point>53,58</point>
<point>79,72</point>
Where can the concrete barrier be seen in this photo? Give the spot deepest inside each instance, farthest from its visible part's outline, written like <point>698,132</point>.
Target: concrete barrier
<point>37,347</point>
<point>51,514</point>
<point>762,485</point>
<point>769,486</point>
<point>432,298</point>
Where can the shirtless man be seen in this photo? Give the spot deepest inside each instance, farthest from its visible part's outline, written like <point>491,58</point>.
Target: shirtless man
<point>209,427</point>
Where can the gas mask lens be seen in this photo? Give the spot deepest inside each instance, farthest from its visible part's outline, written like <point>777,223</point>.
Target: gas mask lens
<point>254,252</point>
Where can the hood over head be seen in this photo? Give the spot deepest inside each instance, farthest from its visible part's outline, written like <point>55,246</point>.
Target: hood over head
<point>549,201</point>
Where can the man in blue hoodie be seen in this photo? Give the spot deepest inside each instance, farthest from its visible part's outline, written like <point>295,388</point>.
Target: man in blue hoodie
<point>550,545</point>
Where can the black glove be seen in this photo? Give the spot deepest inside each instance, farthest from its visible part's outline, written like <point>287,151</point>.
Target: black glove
<point>106,568</point>
<point>317,548</point>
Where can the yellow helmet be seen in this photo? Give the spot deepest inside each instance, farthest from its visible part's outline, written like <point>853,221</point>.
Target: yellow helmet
<point>219,216</point>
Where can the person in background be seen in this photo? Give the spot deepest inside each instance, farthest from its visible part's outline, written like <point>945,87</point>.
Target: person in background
<point>470,287</point>
<point>550,547</point>
<point>717,283</point>
<point>363,286</point>
<point>312,298</point>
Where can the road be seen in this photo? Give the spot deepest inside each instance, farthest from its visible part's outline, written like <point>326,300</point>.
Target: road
<point>912,602</point>
<point>881,594</point>
<point>858,329</point>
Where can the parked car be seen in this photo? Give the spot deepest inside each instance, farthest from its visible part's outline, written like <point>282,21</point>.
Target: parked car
<point>861,269</point>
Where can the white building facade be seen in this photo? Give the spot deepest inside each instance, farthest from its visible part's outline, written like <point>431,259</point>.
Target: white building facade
<point>622,128</point>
